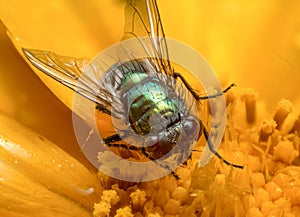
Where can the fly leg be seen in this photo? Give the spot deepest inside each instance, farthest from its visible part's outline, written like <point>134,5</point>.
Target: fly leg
<point>153,159</point>
<point>109,141</point>
<point>194,93</point>
<point>204,130</point>
<point>211,148</point>
<point>112,138</point>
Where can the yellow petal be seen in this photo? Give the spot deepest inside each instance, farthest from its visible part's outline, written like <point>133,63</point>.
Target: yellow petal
<point>20,196</point>
<point>77,28</point>
<point>37,177</point>
<point>26,99</point>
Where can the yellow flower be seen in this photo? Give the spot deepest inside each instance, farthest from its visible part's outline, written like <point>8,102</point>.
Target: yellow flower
<point>254,44</point>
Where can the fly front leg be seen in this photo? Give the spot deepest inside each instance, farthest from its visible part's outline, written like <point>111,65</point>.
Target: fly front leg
<point>143,149</point>
<point>194,93</point>
<point>110,142</point>
<point>112,138</point>
<point>212,149</point>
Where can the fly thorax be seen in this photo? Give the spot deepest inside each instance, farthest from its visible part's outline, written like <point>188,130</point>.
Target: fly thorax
<point>149,107</point>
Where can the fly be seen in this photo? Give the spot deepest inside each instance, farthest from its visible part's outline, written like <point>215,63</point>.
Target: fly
<point>154,106</point>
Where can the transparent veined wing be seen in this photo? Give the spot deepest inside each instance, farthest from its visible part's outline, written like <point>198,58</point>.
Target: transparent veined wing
<point>69,72</point>
<point>142,19</point>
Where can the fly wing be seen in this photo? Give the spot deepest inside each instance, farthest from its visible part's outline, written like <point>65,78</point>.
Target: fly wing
<point>69,72</point>
<point>142,19</point>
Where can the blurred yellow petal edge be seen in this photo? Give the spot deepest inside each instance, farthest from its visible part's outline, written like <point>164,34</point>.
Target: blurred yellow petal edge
<point>39,179</point>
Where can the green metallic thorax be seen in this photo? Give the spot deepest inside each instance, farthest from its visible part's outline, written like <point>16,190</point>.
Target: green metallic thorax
<point>148,100</point>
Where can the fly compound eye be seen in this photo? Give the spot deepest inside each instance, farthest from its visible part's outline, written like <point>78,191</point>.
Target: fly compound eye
<point>191,127</point>
<point>153,139</point>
